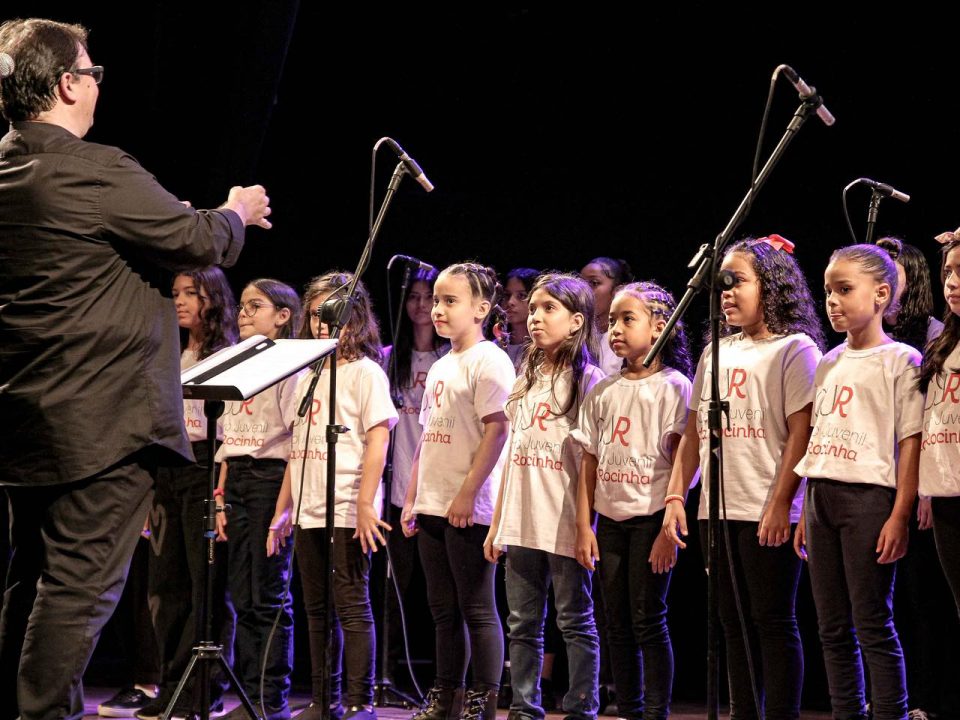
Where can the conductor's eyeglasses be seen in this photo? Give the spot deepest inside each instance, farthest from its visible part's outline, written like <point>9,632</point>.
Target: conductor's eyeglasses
<point>96,72</point>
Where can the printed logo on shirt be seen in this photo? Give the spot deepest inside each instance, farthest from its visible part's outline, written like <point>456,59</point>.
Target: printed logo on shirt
<point>421,380</point>
<point>242,408</point>
<point>835,402</point>
<point>617,468</point>
<point>740,423</point>
<point>309,454</point>
<point>940,392</point>
<point>437,392</point>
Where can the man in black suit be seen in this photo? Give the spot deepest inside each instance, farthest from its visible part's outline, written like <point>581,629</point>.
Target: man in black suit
<point>90,399</point>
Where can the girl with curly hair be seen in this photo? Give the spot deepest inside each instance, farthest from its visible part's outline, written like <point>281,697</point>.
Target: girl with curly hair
<point>206,313</point>
<point>630,425</point>
<point>770,345</point>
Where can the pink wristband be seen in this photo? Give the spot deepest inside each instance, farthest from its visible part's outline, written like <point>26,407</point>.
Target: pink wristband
<point>671,498</point>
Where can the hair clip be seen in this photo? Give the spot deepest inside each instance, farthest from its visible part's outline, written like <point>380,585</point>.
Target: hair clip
<point>948,237</point>
<point>778,242</point>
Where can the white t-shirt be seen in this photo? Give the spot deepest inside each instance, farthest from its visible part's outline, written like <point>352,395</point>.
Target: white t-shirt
<point>934,328</point>
<point>609,362</point>
<point>193,417</point>
<point>363,401</point>
<point>539,509</point>
<point>765,382</point>
<point>408,430</point>
<point>261,427</point>
<point>462,389</point>
<point>625,424</point>
<point>866,403</point>
<point>940,445</point>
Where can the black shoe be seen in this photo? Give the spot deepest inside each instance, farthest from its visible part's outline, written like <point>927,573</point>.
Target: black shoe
<point>124,704</point>
<point>441,704</point>
<point>479,705</point>
<point>313,712</point>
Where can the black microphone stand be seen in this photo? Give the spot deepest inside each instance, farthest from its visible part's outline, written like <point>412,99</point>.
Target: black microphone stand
<point>706,262</point>
<point>385,692</point>
<point>872,210</point>
<point>332,313</point>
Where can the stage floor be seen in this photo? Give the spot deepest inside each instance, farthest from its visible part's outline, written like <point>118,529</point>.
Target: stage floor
<point>95,696</point>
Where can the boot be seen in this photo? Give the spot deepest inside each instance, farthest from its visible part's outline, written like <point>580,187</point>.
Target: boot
<point>441,704</point>
<point>479,705</point>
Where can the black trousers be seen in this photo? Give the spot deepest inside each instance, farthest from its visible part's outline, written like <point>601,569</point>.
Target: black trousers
<point>71,548</point>
<point>176,583</point>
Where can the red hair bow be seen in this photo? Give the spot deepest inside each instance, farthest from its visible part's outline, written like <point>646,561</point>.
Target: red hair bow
<point>778,242</point>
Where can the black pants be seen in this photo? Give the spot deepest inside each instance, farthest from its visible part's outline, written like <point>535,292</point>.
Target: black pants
<point>854,597</point>
<point>641,656</point>
<point>71,550</point>
<point>177,568</point>
<point>767,579</point>
<point>461,596</point>
<point>353,632</point>
<point>257,582</point>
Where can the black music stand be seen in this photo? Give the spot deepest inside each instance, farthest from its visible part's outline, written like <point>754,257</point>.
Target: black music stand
<point>234,373</point>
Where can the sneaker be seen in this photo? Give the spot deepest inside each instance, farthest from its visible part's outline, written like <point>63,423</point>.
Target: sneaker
<point>124,704</point>
<point>360,712</point>
<point>186,712</point>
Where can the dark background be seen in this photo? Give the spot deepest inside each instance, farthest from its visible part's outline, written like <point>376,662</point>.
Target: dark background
<point>552,137</point>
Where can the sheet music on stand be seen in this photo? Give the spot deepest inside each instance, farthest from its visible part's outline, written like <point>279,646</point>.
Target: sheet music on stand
<point>241,371</point>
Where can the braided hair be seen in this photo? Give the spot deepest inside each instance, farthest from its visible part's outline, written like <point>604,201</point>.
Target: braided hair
<point>484,285</point>
<point>660,302</point>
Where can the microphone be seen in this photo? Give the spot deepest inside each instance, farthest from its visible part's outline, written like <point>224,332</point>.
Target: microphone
<point>884,189</point>
<point>6,65</point>
<point>410,164</point>
<point>807,92</point>
<point>421,265</point>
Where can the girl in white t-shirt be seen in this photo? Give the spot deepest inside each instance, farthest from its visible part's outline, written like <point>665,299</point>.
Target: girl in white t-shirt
<point>206,313</point>
<point>605,275</point>
<point>418,348</point>
<point>940,446</point>
<point>630,425</point>
<point>861,464</point>
<point>516,306</point>
<point>452,489</point>
<point>363,405</point>
<point>253,457</point>
<point>534,519</point>
<point>768,354</point>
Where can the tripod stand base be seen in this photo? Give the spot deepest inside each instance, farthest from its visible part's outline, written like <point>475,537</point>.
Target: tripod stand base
<point>386,695</point>
<point>203,654</point>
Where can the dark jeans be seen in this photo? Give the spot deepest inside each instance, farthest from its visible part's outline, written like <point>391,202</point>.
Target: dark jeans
<point>461,596</point>
<point>641,654</point>
<point>258,583</point>
<point>352,630</point>
<point>946,531</point>
<point>530,573</point>
<point>71,547</point>
<point>177,570</point>
<point>767,578</point>
<point>853,594</point>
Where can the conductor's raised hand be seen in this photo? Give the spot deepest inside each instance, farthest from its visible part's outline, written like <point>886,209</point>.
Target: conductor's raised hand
<point>251,204</point>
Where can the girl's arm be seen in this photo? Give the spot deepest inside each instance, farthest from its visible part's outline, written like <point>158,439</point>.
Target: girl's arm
<point>774,529</point>
<point>374,460</point>
<point>892,543</point>
<point>495,430</point>
<point>685,464</point>
<point>490,551</point>
<point>281,526</point>
<point>588,551</point>
<point>408,521</point>
<point>663,554</point>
